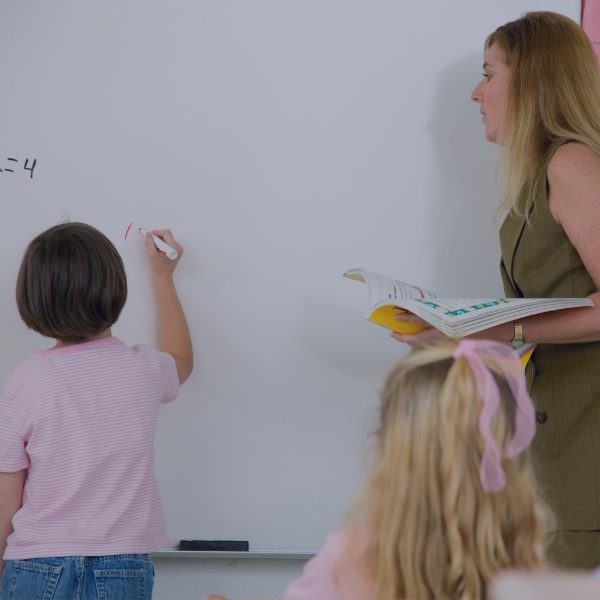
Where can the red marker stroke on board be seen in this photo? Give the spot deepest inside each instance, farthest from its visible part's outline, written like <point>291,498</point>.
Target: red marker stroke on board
<point>160,244</point>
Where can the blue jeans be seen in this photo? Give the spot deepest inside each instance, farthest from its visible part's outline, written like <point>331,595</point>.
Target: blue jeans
<point>118,577</point>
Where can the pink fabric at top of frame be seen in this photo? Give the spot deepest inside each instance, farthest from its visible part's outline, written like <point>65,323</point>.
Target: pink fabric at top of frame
<point>590,20</point>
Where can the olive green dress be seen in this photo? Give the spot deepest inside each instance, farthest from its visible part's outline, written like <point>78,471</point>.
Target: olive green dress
<point>538,260</point>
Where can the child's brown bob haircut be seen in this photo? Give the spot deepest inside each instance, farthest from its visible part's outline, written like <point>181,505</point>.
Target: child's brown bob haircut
<point>71,285</point>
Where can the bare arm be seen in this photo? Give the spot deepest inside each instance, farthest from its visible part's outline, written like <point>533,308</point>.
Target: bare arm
<point>574,200</point>
<point>11,496</point>
<point>172,328</point>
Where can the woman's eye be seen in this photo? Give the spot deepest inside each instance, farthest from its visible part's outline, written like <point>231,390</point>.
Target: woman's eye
<point>485,75</point>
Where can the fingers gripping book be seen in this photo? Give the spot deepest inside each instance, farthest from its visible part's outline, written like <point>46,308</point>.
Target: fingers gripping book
<point>455,317</point>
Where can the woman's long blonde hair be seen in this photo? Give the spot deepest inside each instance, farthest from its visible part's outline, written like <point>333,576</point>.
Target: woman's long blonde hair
<point>553,97</point>
<point>433,531</point>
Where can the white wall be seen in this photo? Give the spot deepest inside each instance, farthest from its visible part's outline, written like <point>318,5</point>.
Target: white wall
<point>283,142</point>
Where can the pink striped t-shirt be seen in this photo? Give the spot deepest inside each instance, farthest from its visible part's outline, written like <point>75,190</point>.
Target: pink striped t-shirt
<point>81,419</point>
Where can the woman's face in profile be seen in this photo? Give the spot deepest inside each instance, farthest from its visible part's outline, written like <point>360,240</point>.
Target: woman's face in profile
<point>491,93</point>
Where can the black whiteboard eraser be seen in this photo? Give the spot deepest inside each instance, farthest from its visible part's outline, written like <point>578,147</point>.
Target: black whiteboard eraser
<point>214,545</point>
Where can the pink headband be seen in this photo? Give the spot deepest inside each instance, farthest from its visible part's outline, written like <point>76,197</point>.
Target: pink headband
<point>493,477</point>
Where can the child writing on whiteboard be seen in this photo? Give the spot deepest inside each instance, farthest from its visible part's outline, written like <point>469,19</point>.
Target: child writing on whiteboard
<point>448,502</point>
<point>79,504</point>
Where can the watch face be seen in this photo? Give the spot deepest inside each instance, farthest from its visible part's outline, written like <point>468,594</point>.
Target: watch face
<point>517,343</point>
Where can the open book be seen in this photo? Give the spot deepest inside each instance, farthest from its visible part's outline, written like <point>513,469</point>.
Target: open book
<point>455,317</point>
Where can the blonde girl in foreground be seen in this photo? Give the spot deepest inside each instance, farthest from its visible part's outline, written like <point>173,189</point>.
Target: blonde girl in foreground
<point>449,501</point>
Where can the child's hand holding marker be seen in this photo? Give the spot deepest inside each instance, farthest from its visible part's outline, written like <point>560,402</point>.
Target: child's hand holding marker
<point>160,244</point>
<point>159,241</point>
<point>162,261</point>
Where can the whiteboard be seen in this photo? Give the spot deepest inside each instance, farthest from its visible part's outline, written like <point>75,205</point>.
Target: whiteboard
<point>283,143</point>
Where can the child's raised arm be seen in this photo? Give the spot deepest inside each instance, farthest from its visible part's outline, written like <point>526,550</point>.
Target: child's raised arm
<point>173,332</point>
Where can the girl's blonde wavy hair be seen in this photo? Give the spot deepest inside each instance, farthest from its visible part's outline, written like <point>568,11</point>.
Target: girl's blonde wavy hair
<point>553,98</point>
<point>433,531</point>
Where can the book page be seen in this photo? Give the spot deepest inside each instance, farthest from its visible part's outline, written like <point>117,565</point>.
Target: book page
<point>463,309</point>
<point>455,317</point>
<point>384,289</point>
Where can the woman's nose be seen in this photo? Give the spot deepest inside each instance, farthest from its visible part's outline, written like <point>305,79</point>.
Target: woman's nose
<point>476,94</point>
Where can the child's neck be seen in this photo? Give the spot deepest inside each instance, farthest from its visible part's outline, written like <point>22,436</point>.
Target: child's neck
<point>103,334</point>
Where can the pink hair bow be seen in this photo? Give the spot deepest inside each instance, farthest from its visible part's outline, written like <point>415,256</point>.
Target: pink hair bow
<point>493,477</point>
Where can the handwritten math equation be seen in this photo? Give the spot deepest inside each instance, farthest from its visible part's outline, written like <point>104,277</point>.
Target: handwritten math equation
<point>11,165</point>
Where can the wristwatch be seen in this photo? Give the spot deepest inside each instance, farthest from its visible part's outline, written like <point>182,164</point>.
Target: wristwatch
<point>517,340</point>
